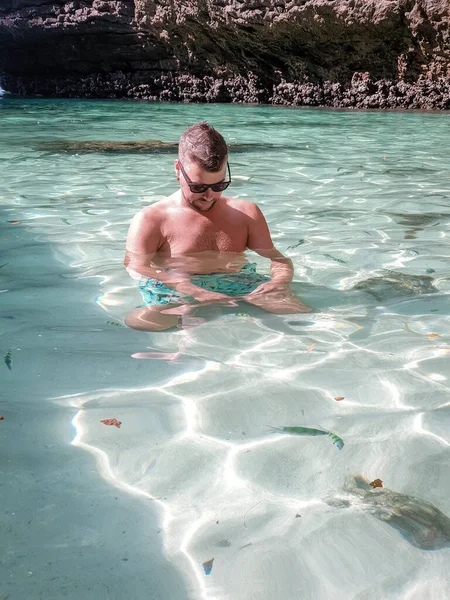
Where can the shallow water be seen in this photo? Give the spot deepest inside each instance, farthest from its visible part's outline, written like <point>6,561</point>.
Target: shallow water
<point>360,202</point>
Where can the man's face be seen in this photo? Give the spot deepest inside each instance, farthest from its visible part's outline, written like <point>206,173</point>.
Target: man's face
<point>204,201</point>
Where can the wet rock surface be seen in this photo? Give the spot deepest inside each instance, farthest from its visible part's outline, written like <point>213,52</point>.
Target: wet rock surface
<point>419,522</point>
<point>339,53</point>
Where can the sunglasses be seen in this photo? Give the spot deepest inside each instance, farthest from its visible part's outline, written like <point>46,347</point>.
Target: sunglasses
<point>200,188</point>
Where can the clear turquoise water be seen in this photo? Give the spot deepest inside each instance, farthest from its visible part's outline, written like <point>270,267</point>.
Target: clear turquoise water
<point>361,203</point>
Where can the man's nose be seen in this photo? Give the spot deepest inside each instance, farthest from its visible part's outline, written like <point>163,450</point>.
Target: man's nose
<point>209,194</point>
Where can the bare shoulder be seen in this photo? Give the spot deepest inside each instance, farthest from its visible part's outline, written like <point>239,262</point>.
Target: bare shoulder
<point>258,234</point>
<point>155,210</point>
<point>153,215</point>
<point>246,207</point>
<point>144,234</point>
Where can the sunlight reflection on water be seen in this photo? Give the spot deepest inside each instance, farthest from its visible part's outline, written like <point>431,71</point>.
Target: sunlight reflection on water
<point>359,201</point>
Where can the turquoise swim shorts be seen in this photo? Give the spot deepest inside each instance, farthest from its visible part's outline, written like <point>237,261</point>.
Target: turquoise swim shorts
<point>245,281</point>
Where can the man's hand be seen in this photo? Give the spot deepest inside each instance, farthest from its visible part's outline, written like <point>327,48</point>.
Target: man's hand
<point>205,297</point>
<point>276,297</point>
<point>271,287</point>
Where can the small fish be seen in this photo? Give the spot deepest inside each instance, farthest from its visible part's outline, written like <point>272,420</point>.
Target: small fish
<point>430,270</point>
<point>65,221</point>
<point>339,443</point>
<point>339,398</point>
<point>115,323</point>
<point>207,566</point>
<point>300,243</point>
<point>338,260</point>
<point>299,430</point>
<point>1,267</point>
<point>242,315</point>
<point>310,431</point>
<point>8,359</point>
<point>311,347</point>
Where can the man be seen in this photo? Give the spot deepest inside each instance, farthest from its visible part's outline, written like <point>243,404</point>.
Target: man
<point>189,248</point>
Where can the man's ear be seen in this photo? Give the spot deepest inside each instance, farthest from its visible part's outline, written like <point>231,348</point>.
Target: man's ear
<point>177,169</point>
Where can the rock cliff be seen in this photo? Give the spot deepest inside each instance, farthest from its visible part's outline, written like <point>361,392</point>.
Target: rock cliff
<point>342,53</point>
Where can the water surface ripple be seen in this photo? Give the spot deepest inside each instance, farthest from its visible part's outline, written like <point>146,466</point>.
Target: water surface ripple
<point>360,202</point>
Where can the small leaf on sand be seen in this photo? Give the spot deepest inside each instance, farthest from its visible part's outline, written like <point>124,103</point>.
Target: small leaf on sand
<point>311,348</point>
<point>112,422</point>
<point>207,566</point>
<point>432,335</point>
<point>339,398</point>
<point>2,418</point>
<point>376,483</point>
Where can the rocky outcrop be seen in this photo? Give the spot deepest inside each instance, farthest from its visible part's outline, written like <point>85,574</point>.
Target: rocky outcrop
<point>342,53</point>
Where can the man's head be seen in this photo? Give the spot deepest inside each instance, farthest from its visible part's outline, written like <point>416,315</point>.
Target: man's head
<point>202,159</point>
<point>205,146</point>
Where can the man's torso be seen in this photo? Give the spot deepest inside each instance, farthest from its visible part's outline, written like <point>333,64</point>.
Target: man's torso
<point>212,242</point>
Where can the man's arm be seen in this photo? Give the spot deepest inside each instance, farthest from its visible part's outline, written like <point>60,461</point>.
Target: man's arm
<point>143,242</point>
<point>276,295</point>
<point>260,241</point>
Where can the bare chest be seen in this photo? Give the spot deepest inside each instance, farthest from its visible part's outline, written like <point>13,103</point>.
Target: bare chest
<point>201,234</point>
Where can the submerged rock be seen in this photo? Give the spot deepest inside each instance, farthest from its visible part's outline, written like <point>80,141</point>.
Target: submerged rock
<point>146,147</point>
<point>419,522</point>
<point>152,146</point>
<point>391,285</point>
<point>419,220</point>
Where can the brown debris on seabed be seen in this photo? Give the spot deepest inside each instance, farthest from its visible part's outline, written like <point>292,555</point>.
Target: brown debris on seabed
<point>366,54</point>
